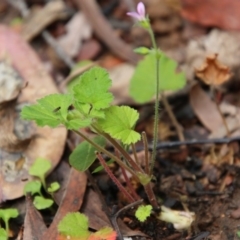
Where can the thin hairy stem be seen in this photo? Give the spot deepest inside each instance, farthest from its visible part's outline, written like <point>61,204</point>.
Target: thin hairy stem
<point>156,119</point>
<point>172,117</point>
<point>151,196</point>
<point>156,107</point>
<point>114,179</point>
<point>129,185</point>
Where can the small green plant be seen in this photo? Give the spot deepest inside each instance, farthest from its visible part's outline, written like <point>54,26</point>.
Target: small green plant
<point>143,212</point>
<point>5,215</point>
<point>39,169</point>
<point>88,104</point>
<point>75,225</point>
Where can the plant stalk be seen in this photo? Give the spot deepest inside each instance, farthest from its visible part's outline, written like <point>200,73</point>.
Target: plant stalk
<point>114,179</point>
<point>156,107</point>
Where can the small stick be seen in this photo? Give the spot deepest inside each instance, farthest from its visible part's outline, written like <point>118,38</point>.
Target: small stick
<point>172,117</point>
<point>135,154</point>
<point>116,215</point>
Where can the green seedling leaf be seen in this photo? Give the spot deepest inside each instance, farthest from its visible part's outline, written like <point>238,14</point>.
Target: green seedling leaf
<point>100,168</point>
<point>6,214</point>
<point>92,89</point>
<point>143,82</point>
<point>3,234</point>
<point>74,225</point>
<point>119,123</point>
<point>51,110</point>
<point>53,187</point>
<point>142,50</point>
<point>143,212</point>
<point>39,169</point>
<point>238,234</point>
<point>84,155</point>
<point>105,233</point>
<point>42,203</point>
<point>33,187</point>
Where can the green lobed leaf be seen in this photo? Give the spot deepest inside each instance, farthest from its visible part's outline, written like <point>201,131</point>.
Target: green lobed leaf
<point>3,234</point>
<point>33,187</point>
<point>84,155</point>
<point>40,167</point>
<point>142,50</point>
<point>93,87</point>
<point>6,214</point>
<point>54,186</point>
<point>78,66</point>
<point>74,225</point>
<point>120,123</point>
<point>42,203</point>
<point>76,120</point>
<point>143,212</point>
<point>143,82</point>
<point>51,110</point>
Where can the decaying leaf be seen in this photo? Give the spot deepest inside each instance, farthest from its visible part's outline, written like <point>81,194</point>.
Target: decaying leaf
<point>50,143</point>
<point>213,72</point>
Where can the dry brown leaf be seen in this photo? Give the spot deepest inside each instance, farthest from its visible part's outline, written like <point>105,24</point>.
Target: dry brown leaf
<point>205,109</point>
<point>212,72</point>
<point>51,142</point>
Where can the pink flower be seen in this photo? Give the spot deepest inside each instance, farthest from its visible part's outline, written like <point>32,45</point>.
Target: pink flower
<point>140,14</point>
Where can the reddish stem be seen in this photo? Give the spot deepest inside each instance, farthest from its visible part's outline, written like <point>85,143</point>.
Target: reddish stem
<point>115,180</point>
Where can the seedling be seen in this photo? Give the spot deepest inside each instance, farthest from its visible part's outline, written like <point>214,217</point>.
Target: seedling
<point>75,226</point>
<point>88,104</point>
<point>5,215</point>
<point>143,212</point>
<point>39,169</point>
